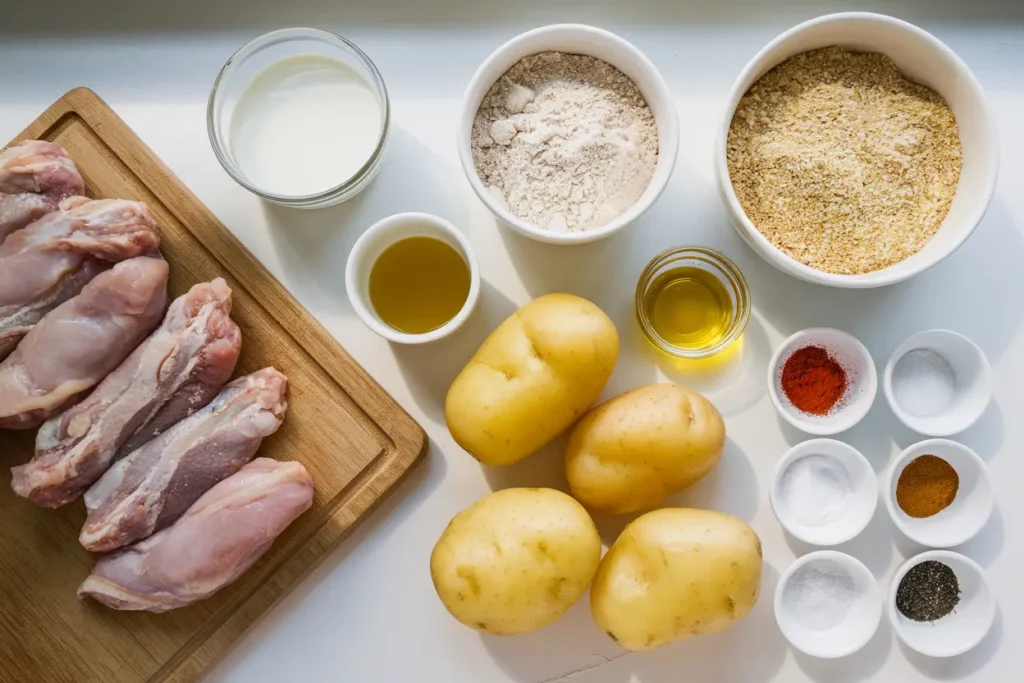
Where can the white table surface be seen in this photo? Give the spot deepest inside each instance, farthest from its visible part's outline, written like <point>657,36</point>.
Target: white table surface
<point>369,612</point>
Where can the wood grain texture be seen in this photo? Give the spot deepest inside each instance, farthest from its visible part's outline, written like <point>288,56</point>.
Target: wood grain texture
<point>354,439</point>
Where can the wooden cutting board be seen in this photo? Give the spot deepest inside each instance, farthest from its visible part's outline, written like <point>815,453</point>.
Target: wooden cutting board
<point>354,439</point>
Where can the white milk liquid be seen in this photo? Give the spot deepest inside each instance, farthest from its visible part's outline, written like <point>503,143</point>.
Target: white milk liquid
<point>304,125</point>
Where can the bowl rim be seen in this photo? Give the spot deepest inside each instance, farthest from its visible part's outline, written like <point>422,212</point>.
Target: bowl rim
<point>891,477</point>
<point>937,554</point>
<point>851,563</point>
<point>669,133</point>
<point>788,264</point>
<point>358,254</point>
<point>814,428</point>
<point>911,343</point>
<point>810,447</point>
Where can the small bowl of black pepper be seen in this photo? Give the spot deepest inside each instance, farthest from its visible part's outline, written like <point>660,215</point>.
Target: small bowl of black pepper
<point>940,603</point>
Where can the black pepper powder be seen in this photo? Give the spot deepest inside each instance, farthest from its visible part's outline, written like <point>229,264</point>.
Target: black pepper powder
<point>928,592</point>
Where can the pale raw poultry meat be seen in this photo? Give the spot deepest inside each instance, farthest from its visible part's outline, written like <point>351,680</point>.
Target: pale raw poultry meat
<point>34,176</point>
<point>81,341</point>
<point>174,373</point>
<point>215,542</point>
<point>150,488</point>
<point>51,260</point>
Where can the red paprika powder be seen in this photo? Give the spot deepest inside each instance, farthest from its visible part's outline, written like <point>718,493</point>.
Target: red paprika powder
<point>813,381</point>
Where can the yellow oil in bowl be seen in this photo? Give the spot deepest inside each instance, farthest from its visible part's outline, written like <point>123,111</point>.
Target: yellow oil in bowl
<point>418,284</point>
<point>692,302</point>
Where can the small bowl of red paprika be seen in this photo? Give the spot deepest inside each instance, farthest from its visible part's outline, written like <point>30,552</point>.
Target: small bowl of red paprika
<point>822,381</point>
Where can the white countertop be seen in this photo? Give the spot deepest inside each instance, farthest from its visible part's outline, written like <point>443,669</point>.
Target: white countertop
<point>369,612</point>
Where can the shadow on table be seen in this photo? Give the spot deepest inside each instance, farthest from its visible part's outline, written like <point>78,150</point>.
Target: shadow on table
<point>313,245</point>
<point>873,546</point>
<point>383,521</point>
<point>733,380</point>
<point>949,295</point>
<point>731,487</point>
<point>859,666</point>
<point>961,666</point>
<point>430,369</point>
<point>984,548</point>
<point>575,647</point>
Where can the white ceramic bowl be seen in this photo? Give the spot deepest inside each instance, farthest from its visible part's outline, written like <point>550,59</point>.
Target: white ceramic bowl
<point>958,631</point>
<point>973,390</point>
<point>853,632</point>
<point>860,374</point>
<point>968,512</point>
<point>921,57</point>
<point>576,39</point>
<point>381,235</point>
<point>860,504</point>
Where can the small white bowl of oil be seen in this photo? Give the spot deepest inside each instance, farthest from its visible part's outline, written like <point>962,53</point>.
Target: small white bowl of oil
<point>692,302</point>
<point>412,278</point>
<point>938,382</point>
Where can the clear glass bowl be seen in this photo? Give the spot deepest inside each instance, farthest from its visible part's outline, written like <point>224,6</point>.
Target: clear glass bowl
<point>724,270</point>
<point>252,59</point>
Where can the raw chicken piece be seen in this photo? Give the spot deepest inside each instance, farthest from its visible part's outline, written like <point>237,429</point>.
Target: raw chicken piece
<point>50,261</point>
<point>78,343</point>
<point>214,543</point>
<point>34,176</point>
<point>174,373</point>
<point>153,486</point>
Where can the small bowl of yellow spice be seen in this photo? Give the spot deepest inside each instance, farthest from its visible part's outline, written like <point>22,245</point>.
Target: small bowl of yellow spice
<point>938,493</point>
<point>857,150</point>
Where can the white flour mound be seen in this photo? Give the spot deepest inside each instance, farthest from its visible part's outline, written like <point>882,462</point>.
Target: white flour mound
<point>564,141</point>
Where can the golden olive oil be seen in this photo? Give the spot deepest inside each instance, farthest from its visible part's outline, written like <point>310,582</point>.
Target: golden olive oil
<point>418,284</point>
<point>689,308</point>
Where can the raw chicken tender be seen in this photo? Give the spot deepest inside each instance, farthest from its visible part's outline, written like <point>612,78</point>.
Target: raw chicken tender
<point>153,486</point>
<point>51,260</point>
<point>78,343</point>
<point>215,542</point>
<point>174,373</point>
<point>34,176</point>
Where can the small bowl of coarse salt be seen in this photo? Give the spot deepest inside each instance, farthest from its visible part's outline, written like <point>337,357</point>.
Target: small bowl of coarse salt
<point>568,133</point>
<point>822,381</point>
<point>828,604</point>
<point>824,492</point>
<point>938,382</point>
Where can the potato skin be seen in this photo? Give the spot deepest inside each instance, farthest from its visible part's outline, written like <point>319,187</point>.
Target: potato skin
<point>628,453</point>
<point>532,378</point>
<point>676,573</point>
<point>515,560</point>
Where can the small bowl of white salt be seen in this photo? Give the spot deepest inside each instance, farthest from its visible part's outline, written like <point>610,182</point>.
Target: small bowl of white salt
<point>938,382</point>
<point>828,604</point>
<point>824,492</point>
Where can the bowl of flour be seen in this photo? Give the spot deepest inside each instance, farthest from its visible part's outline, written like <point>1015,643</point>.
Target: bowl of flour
<point>568,133</point>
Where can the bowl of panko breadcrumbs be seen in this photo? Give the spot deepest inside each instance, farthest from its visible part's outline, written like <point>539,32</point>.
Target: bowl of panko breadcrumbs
<point>857,151</point>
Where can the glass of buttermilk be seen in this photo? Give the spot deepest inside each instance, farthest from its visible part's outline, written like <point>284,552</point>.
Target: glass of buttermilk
<point>300,117</point>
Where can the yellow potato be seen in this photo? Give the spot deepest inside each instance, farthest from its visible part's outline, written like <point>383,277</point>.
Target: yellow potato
<point>676,573</point>
<point>515,560</point>
<point>628,453</point>
<point>532,378</point>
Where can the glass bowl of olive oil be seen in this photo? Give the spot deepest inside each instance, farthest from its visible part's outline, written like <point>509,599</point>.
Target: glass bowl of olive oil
<point>692,302</point>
